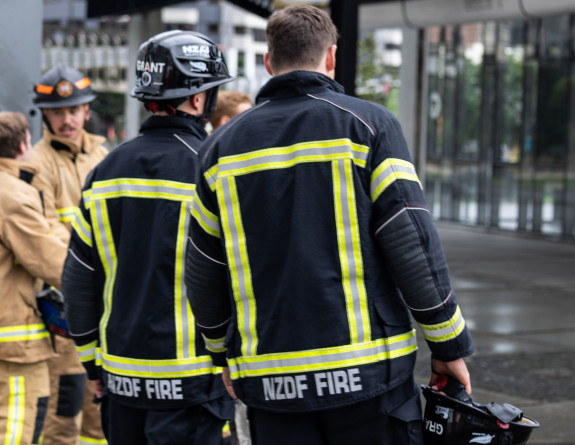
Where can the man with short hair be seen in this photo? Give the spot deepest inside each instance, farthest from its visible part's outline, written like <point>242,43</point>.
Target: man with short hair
<point>311,248</point>
<point>28,253</point>
<point>126,301</point>
<point>64,157</point>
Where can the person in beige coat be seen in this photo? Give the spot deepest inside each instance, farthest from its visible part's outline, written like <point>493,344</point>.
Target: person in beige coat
<point>64,157</point>
<point>28,253</point>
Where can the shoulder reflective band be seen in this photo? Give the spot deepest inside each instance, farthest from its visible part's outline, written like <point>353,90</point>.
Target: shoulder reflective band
<point>390,171</point>
<point>285,157</point>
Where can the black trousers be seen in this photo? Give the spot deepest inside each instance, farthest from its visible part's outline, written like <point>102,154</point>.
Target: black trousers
<point>363,423</point>
<point>194,425</point>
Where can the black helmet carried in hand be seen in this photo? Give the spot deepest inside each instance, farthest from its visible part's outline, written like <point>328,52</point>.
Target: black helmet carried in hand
<point>178,64</point>
<point>63,86</point>
<point>449,420</point>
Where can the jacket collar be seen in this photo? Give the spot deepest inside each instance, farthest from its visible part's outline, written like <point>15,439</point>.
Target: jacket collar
<point>88,142</point>
<point>19,169</point>
<point>297,83</point>
<point>174,124</point>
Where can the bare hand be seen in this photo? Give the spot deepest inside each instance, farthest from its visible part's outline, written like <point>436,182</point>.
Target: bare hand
<point>228,382</point>
<point>456,369</point>
<point>98,389</point>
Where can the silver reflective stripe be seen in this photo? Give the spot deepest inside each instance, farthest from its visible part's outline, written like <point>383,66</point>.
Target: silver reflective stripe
<point>238,264</point>
<point>205,218</point>
<point>87,352</point>
<point>142,188</point>
<point>285,157</point>
<point>158,368</point>
<point>23,333</point>
<point>107,252</point>
<point>215,345</point>
<point>66,214</point>
<point>389,171</point>
<point>329,358</point>
<point>16,410</point>
<point>445,331</point>
<point>82,228</point>
<point>350,252</point>
<point>183,313</point>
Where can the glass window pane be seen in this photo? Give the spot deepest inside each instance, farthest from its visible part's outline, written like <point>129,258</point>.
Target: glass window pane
<point>511,55</point>
<point>470,92</point>
<point>552,93</point>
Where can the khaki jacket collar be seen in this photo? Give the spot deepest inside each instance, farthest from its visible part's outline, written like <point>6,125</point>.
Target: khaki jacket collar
<point>19,169</point>
<point>89,142</point>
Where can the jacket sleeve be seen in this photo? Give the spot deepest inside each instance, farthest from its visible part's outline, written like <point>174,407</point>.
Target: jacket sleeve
<point>28,236</point>
<point>82,291</point>
<point>206,274</point>
<point>406,234</point>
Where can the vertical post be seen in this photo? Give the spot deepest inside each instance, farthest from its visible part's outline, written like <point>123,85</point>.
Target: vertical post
<point>344,14</point>
<point>142,27</point>
<point>21,43</point>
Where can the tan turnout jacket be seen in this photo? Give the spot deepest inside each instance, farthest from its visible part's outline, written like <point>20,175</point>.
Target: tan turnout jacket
<point>28,252</point>
<point>62,170</point>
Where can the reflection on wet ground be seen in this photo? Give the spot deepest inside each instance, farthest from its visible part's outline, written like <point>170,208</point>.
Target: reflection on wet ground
<point>517,295</point>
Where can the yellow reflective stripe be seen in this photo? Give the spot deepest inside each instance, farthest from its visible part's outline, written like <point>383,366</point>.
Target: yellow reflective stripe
<point>16,410</point>
<point>185,344</point>
<point>66,214</point>
<point>87,196</point>
<point>87,352</point>
<point>285,157</point>
<point>82,228</point>
<point>142,188</point>
<point>350,252</point>
<point>390,171</point>
<point>326,358</point>
<point>236,252</point>
<point>445,331</point>
<point>215,344</point>
<point>84,440</point>
<point>170,368</point>
<point>206,219</point>
<point>107,253</point>
<point>25,332</point>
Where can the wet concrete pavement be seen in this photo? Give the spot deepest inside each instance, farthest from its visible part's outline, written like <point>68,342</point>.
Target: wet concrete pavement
<point>517,295</point>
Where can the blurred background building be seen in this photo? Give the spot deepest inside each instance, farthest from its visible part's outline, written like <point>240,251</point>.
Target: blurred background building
<point>484,89</point>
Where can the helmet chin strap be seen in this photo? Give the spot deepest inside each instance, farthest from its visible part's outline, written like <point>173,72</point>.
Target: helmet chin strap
<point>171,107</point>
<point>47,123</point>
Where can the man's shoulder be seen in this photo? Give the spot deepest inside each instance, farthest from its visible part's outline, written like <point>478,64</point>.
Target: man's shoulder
<point>15,193</point>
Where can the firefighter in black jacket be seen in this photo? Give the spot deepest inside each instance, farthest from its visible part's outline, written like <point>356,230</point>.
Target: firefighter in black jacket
<point>123,280</point>
<point>311,244</point>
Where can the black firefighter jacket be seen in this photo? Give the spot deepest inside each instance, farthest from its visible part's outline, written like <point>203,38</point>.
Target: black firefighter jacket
<point>123,279</point>
<point>311,244</point>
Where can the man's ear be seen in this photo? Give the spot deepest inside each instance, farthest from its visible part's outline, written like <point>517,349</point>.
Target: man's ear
<point>330,59</point>
<point>87,117</point>
<point>267,64</point>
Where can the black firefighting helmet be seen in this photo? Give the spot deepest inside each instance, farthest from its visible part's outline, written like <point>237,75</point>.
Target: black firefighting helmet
<point>449,421</point>
<point>178,64</point>
<point>63,86</point>
<point>51,305</point>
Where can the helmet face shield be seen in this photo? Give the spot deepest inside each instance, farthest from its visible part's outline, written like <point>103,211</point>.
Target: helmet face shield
<point>450,421</point>
<point>178,64</point>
